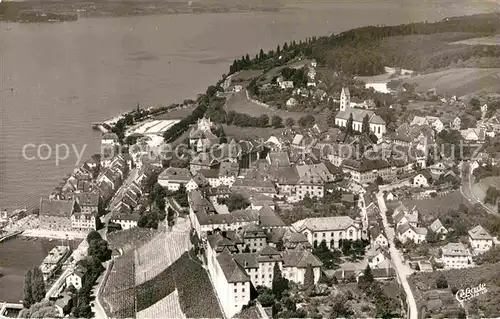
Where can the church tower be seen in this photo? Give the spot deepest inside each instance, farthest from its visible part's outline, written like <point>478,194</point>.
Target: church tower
<point>345,99</point>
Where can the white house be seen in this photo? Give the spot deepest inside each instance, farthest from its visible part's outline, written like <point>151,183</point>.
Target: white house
<point>172,178</point>
<point>126,221</point>
<point>406,232</point>
<point>473,135</point>
<point>376,255</point>
<point>480,240</point>
<point>329,229</point>
<point>422,179</point>
<point>432,121</point>
<point>456,255</point>
<point>456,124</point>
<point>76,277</point>
<point>377,237</point>
<point>438,228</point>
<point>291,102</point>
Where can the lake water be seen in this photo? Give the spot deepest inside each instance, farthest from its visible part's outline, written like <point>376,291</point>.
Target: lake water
<point>16,257</point>
<point>65,75</point>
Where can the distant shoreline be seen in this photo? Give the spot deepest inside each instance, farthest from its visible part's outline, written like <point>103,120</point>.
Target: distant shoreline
<point>63,11</point>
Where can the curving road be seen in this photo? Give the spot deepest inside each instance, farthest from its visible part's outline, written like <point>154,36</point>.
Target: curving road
<point>402,270</point>
<point>466,188</point>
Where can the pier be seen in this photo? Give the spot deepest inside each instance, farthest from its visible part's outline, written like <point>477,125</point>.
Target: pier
<point>10,235</point>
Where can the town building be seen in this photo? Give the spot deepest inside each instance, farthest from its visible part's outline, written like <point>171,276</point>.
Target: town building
<point>126,221</point>
<point>377,237</point>
<point>422,179</point>
<point>329,229</point>
<point>172,178</point>
<point>56,214</point>
<point>480,240</point>
<point>376,123</point>
<point>407,232</point>
<point>201,137</point>
<point>455,255</point>
<point>366,171</point>
<point>84,221</point>
<point>438,228</point>
<point>75,279</point>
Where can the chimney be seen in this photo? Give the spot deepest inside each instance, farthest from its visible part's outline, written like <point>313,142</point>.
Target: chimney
<point>224,234</point>
<point>246,264</point>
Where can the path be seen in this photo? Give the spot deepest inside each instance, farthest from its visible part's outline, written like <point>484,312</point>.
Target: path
<point>97,308</point>
<point>466,188</point>
<point>402,270</point>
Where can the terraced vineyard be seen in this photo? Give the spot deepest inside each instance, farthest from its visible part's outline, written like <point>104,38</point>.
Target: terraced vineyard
<point>158,254</point>
<point>118,294</point>
<point>187,278</point>
<point>170,304</point>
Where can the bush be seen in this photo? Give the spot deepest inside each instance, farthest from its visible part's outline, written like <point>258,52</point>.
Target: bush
<point>441,282</point>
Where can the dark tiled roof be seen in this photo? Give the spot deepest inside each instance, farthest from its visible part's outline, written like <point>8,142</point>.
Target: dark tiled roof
<point>59,208</point>
<point>300,259</point>
<point>231,269</point>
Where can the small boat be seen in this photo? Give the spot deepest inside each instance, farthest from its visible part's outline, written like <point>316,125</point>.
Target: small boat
<point>51,239</point>
<point>36,238</point>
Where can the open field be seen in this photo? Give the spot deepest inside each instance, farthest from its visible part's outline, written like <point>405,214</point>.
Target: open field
<point>246,75</point>
<point>431,208</point>
<point>237,132</point>
<point>239,103</point>
<point>493,40</point>
<point>460,81</point>
<point>178,114</point>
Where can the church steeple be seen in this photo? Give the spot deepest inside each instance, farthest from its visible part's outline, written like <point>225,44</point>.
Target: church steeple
<point>345,99</point>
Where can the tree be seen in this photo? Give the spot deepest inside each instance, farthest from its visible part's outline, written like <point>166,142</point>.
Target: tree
<point>276,121</point>
<point>266,299</point>
<point>290,122</point>
<point>27,294</point>
<point>309,278</point>
<point>340,307</point>
<point>280,284</point>
<point>93,235</point>
<point>98,248</point>
<point>235,201</point>
<point>367,274</point>
<point>365,128</point>
<point>37,284</point>
<point>307,121</point>
<point>263,120</point>
<point>349,124</point>
<point>441,282</point>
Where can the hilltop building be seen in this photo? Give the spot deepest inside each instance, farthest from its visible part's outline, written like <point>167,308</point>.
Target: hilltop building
<point>377,124</point>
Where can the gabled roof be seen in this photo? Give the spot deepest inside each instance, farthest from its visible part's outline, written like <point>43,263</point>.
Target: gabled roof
<point>175,174</point>
<point>479,232</point>
<point>268,217</point>
<point>231,269</point>
<point>55,207</point>
<point>455,249</point>
<point>300,259</point>
<point>324,223</point>
<point>436,225</point>
<point>279,159</point>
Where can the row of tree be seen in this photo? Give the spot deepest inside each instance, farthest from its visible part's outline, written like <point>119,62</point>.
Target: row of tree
<point>203,101</point>
<point>34,287</point>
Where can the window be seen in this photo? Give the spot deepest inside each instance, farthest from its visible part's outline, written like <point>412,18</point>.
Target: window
<point>315,235</point>
<point>263,277</point>
<point>242,289</point>
<point>350,233</point>
<point>235,290</point>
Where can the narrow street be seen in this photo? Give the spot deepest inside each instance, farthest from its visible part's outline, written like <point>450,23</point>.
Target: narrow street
<point>118,196</point>
<point>97,308</point>
<point>402,270</point>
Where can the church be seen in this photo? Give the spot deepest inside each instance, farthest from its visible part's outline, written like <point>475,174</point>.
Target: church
<point>377,124</point>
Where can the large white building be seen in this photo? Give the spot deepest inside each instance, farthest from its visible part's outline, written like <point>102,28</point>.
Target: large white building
<point>456,255</point>
<point>480,240</point>
<point>376,123</point>
<point>329,229</point>
<point>172,178</point>
<point>233,271</point>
